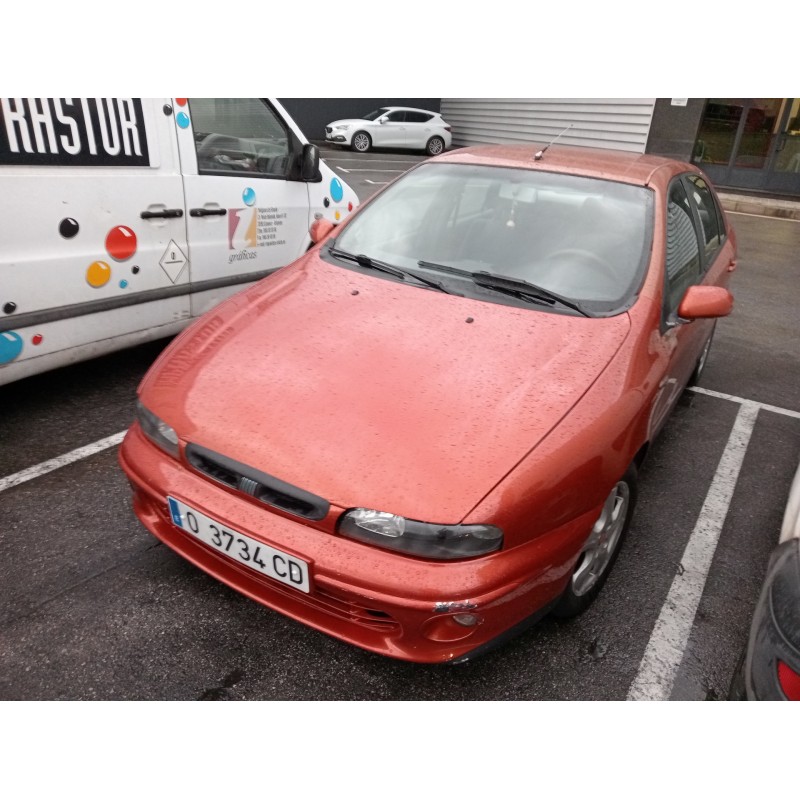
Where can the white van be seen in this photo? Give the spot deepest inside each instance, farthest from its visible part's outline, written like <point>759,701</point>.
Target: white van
<point>122,219</point>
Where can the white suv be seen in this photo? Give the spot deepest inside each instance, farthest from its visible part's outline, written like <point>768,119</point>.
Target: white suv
<point>393,126</point>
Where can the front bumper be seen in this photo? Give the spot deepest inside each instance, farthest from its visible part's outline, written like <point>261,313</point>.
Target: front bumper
<point>337,138</point>
<point>387,603</point>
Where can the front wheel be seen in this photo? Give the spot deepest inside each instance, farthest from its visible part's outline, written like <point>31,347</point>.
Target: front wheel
<point>361,142</point>
<point>601,548</point>
<point>435,146</point>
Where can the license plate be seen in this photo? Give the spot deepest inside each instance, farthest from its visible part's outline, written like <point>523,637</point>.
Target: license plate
<point>258,556</point>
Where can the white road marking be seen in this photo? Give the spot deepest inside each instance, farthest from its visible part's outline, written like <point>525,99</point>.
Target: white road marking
<point>376,160</point>
<point>376,183</point>
<point>670,636</point>
<point>774,409</point>
<point>371,170</point>
<point>60,461</point>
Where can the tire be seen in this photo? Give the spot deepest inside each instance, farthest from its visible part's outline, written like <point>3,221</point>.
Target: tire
<point>601,548</point>
<point>361,142</point>
<point>701,362</point>
<point>435,146</point>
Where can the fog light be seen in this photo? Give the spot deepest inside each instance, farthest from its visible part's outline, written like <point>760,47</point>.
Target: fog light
<point>467,620</point>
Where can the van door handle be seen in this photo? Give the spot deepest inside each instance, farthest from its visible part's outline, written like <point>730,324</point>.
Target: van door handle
<point>167,213</point>
<point>208,212</point>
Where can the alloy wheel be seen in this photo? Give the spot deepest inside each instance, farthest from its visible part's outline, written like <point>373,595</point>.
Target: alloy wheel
<point>603,540</point>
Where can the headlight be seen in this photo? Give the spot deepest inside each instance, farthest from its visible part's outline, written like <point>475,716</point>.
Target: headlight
<point>341,127</point>
<point>420,538</point>
<point>157,430</point>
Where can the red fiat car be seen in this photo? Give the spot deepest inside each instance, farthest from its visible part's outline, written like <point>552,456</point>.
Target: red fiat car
<point>424,434</point>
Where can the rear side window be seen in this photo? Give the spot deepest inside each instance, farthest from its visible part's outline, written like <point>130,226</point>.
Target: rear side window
<point>683,252</point>
<point>417,116</point>
<point>239,135</point>
<point>710,219</point>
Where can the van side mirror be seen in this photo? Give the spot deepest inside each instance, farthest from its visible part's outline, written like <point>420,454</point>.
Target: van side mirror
<point>309,163</point>
<point>705,302</point>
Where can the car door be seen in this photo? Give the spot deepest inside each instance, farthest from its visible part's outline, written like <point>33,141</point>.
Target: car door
<point>418,129</point>
<point>698,251</point>
<point>391,130</point>
<point>248,212</point>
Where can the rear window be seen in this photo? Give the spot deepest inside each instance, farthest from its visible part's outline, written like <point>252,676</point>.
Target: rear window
<point>585,239</point>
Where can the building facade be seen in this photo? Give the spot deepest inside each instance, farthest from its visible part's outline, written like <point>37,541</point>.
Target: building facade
<point>750,144</point>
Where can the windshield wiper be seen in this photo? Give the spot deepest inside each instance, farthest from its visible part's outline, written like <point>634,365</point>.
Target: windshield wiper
<point>524,290</point>
<point>389,269</point>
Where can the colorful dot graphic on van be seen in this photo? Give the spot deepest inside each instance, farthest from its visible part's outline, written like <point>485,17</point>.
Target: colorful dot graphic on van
<point>181,101</point>
<point>338,215</point>
<point>182,120</point>
<point>10,346</point>
<point>98,274</point>
<point>337,190</point>
<point>68,227</point>
<point>123,284</point>
<point>37,338</point>
<point>121,243</point>
<point>249,196</point>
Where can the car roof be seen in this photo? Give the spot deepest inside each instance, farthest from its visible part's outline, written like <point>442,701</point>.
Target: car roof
<point>620,165</point>
<point>409,108</point>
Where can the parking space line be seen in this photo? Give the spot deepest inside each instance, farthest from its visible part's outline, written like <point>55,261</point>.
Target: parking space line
<point>371,170</point>
<point>670,636</point>
<point>765,406</point>
<point>373,161</point>
<point>60,461</point>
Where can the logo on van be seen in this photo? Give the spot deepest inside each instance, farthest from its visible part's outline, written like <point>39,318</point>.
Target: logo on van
<point>63,131</point>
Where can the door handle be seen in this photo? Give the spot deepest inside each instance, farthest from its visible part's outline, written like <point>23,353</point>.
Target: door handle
<point>732,265</point>
<point>208,212</point>
<point>167,213</point>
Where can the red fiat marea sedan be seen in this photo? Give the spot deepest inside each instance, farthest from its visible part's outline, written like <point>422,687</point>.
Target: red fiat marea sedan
<point>424,434</point>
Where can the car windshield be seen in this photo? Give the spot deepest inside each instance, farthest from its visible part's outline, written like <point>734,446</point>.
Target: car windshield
<point>581,238</point>
<point>378,112</point>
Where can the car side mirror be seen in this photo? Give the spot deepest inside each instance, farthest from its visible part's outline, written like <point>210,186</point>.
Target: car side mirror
<point>319,230</point>
<point>705,302</point>
<point>382,120</point>
<point>309,163</point>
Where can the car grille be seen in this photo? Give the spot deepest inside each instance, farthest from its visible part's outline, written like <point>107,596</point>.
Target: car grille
<point>256,484</point>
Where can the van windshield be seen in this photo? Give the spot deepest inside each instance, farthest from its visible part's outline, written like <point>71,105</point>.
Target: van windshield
<point>583,238</point>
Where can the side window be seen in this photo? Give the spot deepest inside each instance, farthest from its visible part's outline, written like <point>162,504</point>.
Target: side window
<point>396,116</point>
<point>712,231</point>
<point>683,252</point>
<point>239,135</point>
<point>417,116</point>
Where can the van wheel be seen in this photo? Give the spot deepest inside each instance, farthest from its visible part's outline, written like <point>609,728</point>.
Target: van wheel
<point>435,146</point>
<point>361,142</point>
<point>601,549</point>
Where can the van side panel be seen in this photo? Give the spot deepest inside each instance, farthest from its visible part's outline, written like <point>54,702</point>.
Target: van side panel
<point>79,263</point>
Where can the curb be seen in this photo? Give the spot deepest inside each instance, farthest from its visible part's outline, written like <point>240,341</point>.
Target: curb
<point>760,206</point>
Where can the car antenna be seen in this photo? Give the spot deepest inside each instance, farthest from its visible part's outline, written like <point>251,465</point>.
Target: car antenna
<point>538,156</point>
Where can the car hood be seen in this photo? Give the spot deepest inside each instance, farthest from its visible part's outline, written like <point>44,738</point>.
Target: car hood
<point>349,122</point>
<point>374,393</point>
